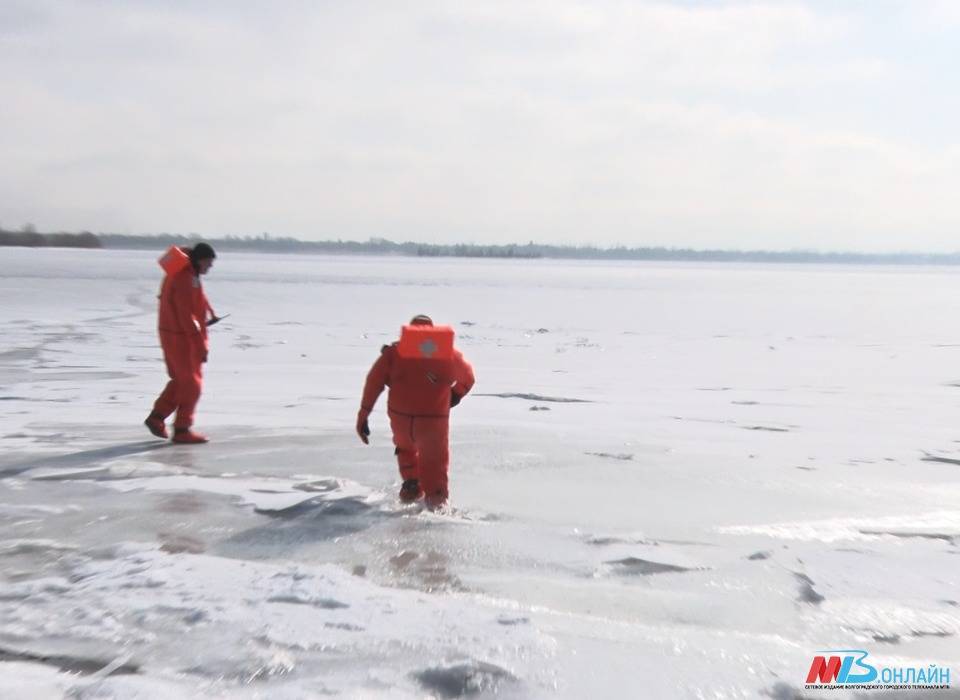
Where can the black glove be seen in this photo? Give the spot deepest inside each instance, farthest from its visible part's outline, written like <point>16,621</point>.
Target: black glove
<point>454,398</point>
<point>363,428</point>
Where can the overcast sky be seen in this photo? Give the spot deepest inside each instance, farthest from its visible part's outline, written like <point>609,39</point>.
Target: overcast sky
<point>776,125</point>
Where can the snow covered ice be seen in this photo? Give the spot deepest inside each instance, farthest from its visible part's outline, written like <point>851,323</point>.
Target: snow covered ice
<point>671,480</point>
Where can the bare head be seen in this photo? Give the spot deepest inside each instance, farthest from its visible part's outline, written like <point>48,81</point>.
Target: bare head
<point>421,320</point>
<point>201,257</point>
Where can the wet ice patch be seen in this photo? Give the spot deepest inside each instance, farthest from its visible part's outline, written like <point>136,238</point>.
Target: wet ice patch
<point>22,509</point>
<point>941,459</point>
<point>77,462</point>
<point>31,559</point>
<point>621,456</point>
<point>911,534</point>
<point>325,603</point>
<point>635,566</point>
<point>603,540</point>
<point>537,397</point>
<point>316,519</point>
<point>807,593</point>
<point>943,525</point>
<point>71,664</point>
<point>120,469</point>
<point>10,548</point>
<point>508,620</point>
<point>265,494</point>
<point>465,678</point>
<point>428,571</point>
<point>176,544</point>
<point>891,622</point>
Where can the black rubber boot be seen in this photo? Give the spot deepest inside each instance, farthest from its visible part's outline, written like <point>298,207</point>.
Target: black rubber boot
<point>410,491</point>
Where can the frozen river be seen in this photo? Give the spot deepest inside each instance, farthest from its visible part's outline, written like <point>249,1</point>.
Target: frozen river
<point>670,480</point>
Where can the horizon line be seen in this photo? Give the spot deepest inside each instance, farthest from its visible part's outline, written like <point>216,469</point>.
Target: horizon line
<point>372,243</point>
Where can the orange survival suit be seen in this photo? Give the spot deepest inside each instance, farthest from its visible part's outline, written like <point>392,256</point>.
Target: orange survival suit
<point>183,337</point>
<point>421,394</point>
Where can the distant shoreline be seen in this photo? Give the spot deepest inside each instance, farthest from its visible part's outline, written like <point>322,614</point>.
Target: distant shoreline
<point>381,246</point>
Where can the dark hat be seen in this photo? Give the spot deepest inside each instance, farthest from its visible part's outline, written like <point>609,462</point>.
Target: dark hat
<point>421,320</point>
<point>202,251</point>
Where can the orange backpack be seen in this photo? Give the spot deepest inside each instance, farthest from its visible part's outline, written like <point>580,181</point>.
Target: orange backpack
<point>174,260</point>
<point>426,342</point>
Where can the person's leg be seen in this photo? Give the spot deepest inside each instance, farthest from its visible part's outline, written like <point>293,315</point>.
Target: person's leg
<point>167,402</point>
<point>431,436</point>
<point>189,378</point>
<point>407,457</point>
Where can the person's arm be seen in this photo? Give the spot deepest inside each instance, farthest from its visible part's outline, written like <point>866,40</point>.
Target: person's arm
<point>181,294</point>
<point>463,378</point>
<point>377,379</point>
<point>210,314</point>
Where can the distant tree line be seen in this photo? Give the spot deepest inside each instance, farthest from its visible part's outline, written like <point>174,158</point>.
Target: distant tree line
<point>375,246</point>
<point>381,246</point>
<point>28,237</point>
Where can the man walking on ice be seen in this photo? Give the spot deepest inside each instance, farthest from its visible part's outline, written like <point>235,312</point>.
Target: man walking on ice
<point>183,337</point>
<point>427,377</point>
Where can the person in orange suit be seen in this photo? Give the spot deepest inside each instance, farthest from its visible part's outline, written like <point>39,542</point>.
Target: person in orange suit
<point>422,392</point>
<point>183,320</point>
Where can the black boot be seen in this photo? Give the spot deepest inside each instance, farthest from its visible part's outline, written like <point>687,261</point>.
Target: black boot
<point>154,423</point>
<point>410,491</point>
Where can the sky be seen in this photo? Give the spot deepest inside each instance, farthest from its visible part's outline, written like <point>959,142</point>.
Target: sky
<point>816,125</point>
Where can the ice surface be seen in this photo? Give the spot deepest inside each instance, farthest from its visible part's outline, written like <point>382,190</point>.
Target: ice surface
<point>670,481</point>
